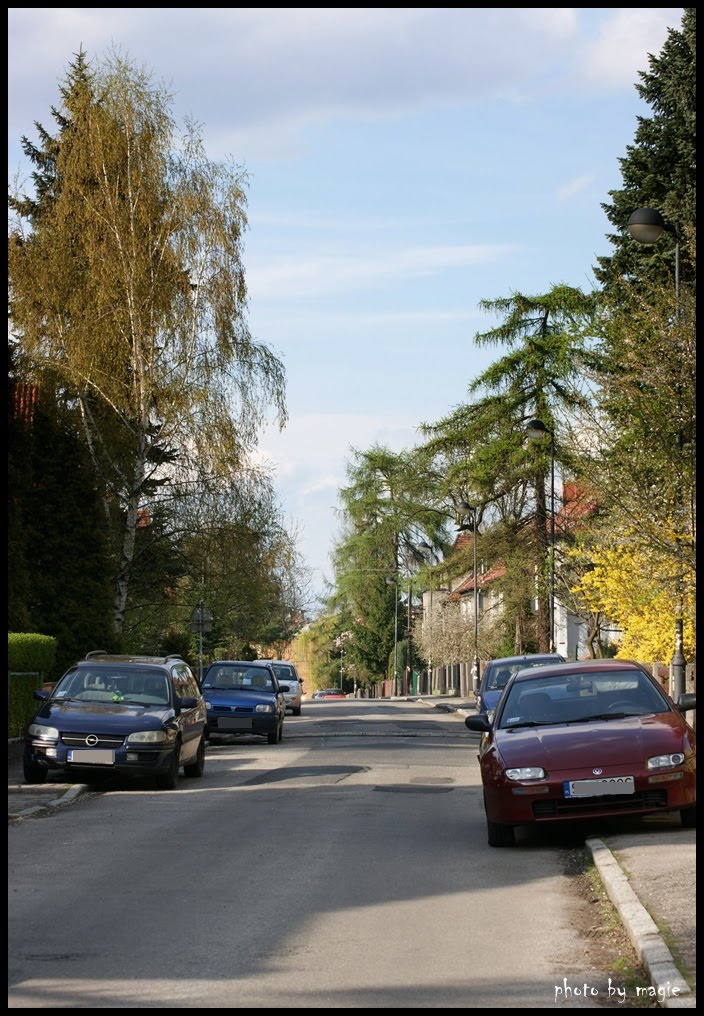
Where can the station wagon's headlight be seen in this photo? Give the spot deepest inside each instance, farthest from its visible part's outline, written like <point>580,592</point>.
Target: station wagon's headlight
<point>147,737</point>
<point>665,761</point>
<point>208,704</point>
<point>526,773</point>
<point>262,708</point>
<point>39,730</point>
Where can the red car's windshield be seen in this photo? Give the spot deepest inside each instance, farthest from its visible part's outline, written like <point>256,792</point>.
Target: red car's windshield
<point>580,697</point>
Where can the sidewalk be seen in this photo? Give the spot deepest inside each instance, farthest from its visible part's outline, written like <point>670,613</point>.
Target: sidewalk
<point>649,875</point>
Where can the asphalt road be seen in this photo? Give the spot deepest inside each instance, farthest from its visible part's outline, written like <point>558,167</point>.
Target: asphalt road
<point>340,869</point>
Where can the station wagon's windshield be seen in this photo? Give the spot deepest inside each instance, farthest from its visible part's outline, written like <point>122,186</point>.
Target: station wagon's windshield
<point>136,686</point>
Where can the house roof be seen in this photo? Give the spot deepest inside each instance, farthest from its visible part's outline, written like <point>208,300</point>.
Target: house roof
<point>483,580</point>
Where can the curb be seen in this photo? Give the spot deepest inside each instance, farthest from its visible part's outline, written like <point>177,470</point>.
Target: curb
<point>36,809</point>
<point>673,992</point>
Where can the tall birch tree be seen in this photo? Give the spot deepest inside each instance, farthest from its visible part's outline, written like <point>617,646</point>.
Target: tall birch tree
<point>127,281</point>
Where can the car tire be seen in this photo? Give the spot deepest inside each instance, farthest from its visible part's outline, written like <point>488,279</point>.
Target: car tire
<point>689,817</point>
<point>273,736</point>
<point>34,773</point>
<point>500,835</point>
<point>195,769</point>
<point>281,731</point>
<point>167,779</point>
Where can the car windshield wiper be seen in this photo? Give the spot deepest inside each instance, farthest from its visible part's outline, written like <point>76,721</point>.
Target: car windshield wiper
<point>530,723</point>
<point>602,716</point>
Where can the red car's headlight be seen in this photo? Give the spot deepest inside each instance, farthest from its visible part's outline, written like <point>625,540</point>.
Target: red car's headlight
<point>525,773</point>
<point>665,761</point>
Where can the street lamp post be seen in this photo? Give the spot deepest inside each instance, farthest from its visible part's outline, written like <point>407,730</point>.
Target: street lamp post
<point>536,430</point>
<point>201,621</point>
<point>407,681</point>
<point>393,581</point>
<point>646,225</point>
<point>471,510</point>
<point>427,549</point>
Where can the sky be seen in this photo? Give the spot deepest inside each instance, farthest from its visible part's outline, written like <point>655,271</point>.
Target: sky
<point>403,164</point>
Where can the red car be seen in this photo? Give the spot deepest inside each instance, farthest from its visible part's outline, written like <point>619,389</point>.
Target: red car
<point>582,740</point>
<point>335,693</point>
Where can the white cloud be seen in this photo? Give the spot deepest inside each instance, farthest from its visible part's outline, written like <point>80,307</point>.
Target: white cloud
<point>575,186</point>
<point>623,42</point>
<point>258,77</point>
<point>298,277</point>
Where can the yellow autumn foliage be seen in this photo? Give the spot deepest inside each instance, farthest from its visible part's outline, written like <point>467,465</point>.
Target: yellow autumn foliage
<point>638,592</point>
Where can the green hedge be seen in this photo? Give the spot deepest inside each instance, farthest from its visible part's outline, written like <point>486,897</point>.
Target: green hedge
<point>29,651</point>
<point>29,658</point>
<point>21,703</point>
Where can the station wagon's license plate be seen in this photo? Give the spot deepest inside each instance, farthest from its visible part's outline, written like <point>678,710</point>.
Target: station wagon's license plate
<point>230,723</point>
<point>91,756</point>
<point>599,788</point>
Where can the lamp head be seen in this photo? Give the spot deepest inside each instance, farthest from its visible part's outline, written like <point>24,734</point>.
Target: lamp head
<point>646,225</point>
<point>536,429</point>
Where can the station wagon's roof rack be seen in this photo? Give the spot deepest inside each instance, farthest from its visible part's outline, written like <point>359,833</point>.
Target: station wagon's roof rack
<point>173,656</point>
<point>96,652</point>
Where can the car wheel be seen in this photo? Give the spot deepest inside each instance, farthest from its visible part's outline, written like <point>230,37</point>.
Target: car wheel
<point>297,712</point>
<point>168,778</point>
<point>281,731</point>
<point>689,817</point>
<point>273,736</point>
<point>500,835</point>
<point>34,773</point>
<point>196,768</point>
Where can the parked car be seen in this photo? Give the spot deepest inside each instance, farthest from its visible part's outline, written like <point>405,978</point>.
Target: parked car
<point>497,672</point>
<point>244,697</point>
<point>133,715</point>
<point>334,693</point>
<point>318,694</point>
<point>584,740</point>
<point>287,674</point>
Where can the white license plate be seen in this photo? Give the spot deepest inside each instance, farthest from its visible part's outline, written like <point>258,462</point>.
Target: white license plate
<point>226,723</point>
<point>91,756</point>
<point>599,788</point>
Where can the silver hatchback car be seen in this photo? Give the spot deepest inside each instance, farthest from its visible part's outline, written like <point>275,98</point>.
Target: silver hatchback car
<point>288,677</point>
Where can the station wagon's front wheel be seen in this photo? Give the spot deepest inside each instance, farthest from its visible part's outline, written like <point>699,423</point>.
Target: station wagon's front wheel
<point>34,773</point>
<point>273,736</point>
<point>167,779</point>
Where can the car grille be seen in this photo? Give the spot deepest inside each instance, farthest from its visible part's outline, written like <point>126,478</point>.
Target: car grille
<point>586,806</point>
<point>234,710</point>
<point>104,741</point>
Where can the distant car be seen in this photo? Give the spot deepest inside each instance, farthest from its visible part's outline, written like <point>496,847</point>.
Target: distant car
<point>334,693</point>
<point>287,674</point>
<point>132,715</point>
<point>318,694</point>
<point>244,697</point>
<point>497,673</point>
<point>590,739</point>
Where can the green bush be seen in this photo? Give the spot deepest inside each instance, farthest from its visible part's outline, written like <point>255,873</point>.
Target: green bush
<point>21,703</point>
<point>29,651</point>
<point>29,658</point>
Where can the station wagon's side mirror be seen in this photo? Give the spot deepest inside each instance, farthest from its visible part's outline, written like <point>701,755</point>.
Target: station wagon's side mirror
<point>41,695</point>
<point>480,724</point>
<point>284,687</point>
<point>686,701</point>
<point>186,703</point>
